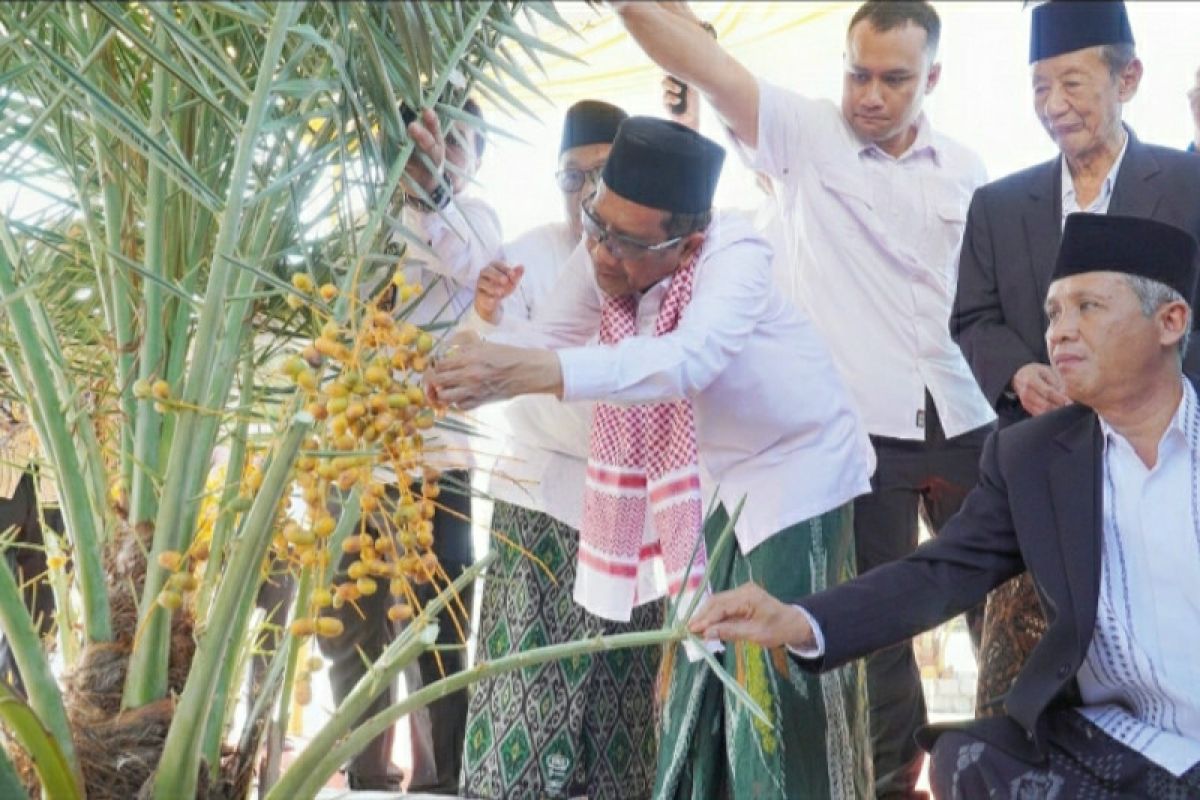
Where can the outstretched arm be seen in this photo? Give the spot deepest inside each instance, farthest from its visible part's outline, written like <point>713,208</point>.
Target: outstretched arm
<point>976,552</point>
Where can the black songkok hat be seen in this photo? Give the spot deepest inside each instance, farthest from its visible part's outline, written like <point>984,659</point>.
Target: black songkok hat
<point>1132,245</point>
<point>1063,26</point>
<point>590,122</point>
<point>664,165</point>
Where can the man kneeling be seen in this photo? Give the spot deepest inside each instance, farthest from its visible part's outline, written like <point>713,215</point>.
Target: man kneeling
<point>1098,500</point>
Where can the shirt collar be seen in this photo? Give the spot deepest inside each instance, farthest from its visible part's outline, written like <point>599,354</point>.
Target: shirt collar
<point>922,144</point>
<point>1177,428</point>
<point>1110,180</point>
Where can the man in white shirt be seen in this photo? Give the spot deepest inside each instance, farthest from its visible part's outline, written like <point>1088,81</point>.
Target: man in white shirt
<point>873,201</point>
<point>701,369</point>
<point>1100,502</point>
<point>456,235</point>
<point>600,740</point>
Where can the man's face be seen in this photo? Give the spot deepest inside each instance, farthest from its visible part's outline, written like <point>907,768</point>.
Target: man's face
<point>462,153</point>
<point>622,275</point>
<point>1100,342</point>
<point>1078,100</point>
<point>887,77</point>
<point>583,164</point>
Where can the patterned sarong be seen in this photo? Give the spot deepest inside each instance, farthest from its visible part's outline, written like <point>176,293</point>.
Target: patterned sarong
<point>818,745</point>
<point>564,729</point>
<point>1083,762</point>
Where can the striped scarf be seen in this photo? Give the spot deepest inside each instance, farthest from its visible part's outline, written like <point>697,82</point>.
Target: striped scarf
<point>641,452</point>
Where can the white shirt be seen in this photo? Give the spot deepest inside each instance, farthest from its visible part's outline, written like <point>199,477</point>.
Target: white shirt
<point>542,462</point>
<point>774,423</point>
<point>875,242</point>
<point>464,238</point>
<point>1070,202</point>
<point>1140,682</point>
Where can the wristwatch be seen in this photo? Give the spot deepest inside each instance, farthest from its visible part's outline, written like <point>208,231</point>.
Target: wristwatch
<point>439,198</point>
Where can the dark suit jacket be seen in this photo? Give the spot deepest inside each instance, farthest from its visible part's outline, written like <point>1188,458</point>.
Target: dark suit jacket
<point>1011,241</point>
<point>1037,506</point>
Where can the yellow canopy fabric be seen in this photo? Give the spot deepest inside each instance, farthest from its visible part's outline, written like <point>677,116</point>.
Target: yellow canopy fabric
<point>612,64</point>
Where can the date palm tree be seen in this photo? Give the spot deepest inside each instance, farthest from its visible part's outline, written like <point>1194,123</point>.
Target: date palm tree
<point>212,189</point>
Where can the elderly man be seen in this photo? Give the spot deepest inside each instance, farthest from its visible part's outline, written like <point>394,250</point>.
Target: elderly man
<point>700,365</point>
<point>1084,72</point>
<point>873,201</point>
<point>1097,501</point>
<point>599,739</point>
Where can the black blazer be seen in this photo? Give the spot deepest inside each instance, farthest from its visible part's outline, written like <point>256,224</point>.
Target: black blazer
<point>1037,506</point>
<point>1011,241</point>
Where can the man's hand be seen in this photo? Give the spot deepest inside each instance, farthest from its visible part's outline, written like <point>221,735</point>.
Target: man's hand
<point>473,372</point>
<point>496,282</point>
<point>426,133</point>
<point>1039,388</point>
<point>677,94</point>
<point>749,613</point>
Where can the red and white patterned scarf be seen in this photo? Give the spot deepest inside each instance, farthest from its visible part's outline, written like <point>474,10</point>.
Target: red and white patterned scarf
<point>639,452</point>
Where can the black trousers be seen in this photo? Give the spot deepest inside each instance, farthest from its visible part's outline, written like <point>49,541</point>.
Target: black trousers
<point>1083,761</point>
<point>913,480</point>
<point>365,637</point>
<point>26,558</point>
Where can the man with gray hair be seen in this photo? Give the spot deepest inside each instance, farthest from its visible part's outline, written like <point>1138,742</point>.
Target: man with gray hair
<point>1097,501</point>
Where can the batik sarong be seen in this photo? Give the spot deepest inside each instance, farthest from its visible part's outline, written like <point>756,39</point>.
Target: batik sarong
<point>817,744</point>
<point>584,726</point>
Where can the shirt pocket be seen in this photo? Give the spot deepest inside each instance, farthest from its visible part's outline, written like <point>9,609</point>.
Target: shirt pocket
<point>950,220</point>
<point>851,207</point>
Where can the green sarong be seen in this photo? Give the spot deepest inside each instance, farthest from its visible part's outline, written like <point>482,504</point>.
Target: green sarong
<point>580,726</point>
<point>818,744</point>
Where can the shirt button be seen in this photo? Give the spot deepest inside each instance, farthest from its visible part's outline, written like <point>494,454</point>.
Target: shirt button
<point>1029,735</point>
<point>1064,670</point>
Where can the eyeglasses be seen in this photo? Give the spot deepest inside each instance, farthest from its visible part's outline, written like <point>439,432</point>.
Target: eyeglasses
<point>572,180</point>
<point>621,247</point>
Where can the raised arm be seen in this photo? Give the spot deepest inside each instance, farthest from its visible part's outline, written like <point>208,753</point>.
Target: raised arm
<point>672,36</point>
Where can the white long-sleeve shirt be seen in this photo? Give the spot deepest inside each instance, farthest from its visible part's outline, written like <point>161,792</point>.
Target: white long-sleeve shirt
<point>1140,682</point>
<point>774,423</point>
<point>464,238</point>
<point>874,241</point>
<point>542,463</point>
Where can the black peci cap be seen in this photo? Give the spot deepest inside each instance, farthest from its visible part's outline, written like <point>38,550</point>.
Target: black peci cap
<point>664,165</point>
<point>1131,245</point>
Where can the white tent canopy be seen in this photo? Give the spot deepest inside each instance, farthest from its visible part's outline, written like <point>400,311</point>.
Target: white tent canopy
<point>984,99</point>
